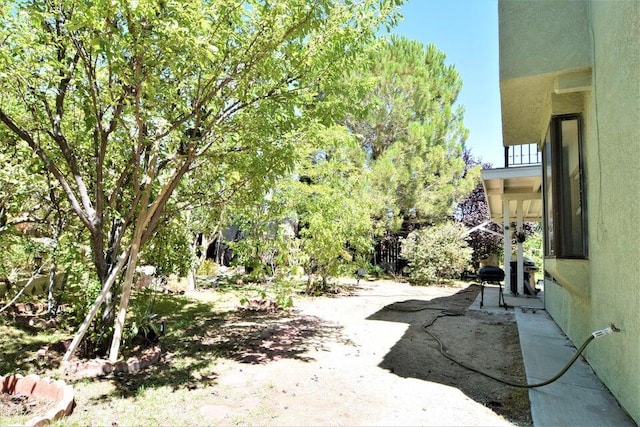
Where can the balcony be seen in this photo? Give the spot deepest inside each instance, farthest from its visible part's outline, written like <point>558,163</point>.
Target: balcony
<point>522,155</point>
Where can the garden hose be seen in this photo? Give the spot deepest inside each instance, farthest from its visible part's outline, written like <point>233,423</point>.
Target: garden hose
<point>445,313</point>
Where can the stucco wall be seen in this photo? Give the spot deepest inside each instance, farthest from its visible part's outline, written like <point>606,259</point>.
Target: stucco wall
<point>531,60</point>
<point>526,51</point>
<point>612,173</point>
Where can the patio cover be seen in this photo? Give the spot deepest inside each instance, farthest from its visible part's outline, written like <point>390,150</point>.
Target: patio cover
<point>513,195</point>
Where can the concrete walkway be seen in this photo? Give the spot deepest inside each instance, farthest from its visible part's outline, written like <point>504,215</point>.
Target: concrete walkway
<point>578,398</point>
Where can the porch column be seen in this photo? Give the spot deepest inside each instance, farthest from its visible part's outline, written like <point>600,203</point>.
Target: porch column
<point>507,245</point>
<point>520,260</point>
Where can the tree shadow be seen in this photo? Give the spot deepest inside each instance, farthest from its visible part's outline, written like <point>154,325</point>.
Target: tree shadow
<point>488,342</point>
<point>19,343</point>
<point>197,335</point>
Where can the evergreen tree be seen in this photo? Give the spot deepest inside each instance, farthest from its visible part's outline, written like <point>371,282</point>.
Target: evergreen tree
<point>411,129</point>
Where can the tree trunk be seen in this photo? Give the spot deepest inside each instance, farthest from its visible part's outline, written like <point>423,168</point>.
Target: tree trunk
<point>191,280</point>
<point>51,302</point>
<point>124,304</point>
<point>106,287</point>
<point>126,290</point>
<point>191,275</point>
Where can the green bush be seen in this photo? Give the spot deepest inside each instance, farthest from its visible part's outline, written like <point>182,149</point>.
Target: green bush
<point>207,268</point>
<point>436,254</point>
<point>375,271</point>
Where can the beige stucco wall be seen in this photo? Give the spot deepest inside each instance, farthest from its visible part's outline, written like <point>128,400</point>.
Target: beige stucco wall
<point>526,51</point>
<point>532,60</point>
<point>613,188</point>
<point>605,288</point>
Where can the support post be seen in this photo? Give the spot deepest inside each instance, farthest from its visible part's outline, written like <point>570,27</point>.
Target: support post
<point>520,259</point>
<point>507,245</point>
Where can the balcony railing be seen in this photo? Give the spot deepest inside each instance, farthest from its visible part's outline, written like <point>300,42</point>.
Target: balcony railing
<point>522,155</point>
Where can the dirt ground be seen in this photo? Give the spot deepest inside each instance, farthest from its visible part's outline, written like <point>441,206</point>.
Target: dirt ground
<point>358,358</point>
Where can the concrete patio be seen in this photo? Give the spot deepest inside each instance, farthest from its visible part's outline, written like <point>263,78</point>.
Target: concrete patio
<point>578,398</point>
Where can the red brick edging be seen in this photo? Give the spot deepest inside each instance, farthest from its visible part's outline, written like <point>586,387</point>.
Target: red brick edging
<point>45,388</point>
<point>98,367</point>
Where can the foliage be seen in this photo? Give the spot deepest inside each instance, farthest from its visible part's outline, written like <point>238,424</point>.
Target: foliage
<point>284,290</point>
<point>473,211</point>
<point>120,100</point>
<point>145,322</point>
<point>411,130</point>
<point>317,218</point>
<point>533,245</point>
<point>266,248</point>
<point>331,202</point>
<point>398,161</point>
<point>32,214</point>
<point>279,291</point>
<point>207,268</point>
<point>170,248</point>
<point>81,295</point>
<point>436,253</point>
<point>375,270</point>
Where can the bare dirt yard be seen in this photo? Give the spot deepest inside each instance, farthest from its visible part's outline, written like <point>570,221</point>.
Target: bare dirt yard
<point>361,357</point>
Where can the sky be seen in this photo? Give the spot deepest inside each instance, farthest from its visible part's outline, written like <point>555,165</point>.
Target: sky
<point>467,32</point>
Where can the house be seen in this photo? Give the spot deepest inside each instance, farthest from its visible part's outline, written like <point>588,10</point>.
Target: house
<point>570,83</point>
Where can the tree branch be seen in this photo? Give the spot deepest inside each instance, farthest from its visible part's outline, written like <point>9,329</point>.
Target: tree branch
<point>155,211</point>
<point>51,167</point>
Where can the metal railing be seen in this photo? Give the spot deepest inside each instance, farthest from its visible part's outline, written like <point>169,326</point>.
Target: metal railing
<point>522,155</point>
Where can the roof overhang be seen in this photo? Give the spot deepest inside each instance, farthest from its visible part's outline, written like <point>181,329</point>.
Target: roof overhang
<point>519,186</point>
<point>545,64</point>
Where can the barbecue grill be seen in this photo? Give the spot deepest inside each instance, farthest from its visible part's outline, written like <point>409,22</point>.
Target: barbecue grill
<point>491,274</point>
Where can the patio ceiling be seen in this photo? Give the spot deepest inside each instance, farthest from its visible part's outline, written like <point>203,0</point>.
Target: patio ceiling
<point>513,185</point>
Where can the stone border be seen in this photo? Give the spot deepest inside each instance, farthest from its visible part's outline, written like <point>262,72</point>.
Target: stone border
<point>99,367</point>
<point>46,388</point>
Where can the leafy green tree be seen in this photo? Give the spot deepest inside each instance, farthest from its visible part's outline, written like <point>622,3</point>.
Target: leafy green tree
<point>265,247</point>
<point>122,100</point>
<point>331,202</point>
<point>23,210</point>
<point>33,221</point>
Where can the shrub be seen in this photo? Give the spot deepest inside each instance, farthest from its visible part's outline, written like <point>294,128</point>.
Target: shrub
<point>436,254</point>
<point>207,268</point>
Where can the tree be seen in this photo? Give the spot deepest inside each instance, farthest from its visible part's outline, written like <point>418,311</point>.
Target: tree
<point>122,100</point>
<point>26,210</point>
<point>412,131</point>
<point>471,212</point>
<point>33,221</point>
<point>329,198</point>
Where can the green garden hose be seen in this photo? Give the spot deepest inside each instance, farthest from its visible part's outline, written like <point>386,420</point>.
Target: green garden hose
<point>446,313</point>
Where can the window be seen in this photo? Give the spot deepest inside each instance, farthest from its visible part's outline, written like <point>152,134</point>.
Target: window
<point>564,205</point>
<point>547,185</point>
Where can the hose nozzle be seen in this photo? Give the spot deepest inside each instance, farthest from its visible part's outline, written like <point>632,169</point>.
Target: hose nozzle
<point>608,330</point>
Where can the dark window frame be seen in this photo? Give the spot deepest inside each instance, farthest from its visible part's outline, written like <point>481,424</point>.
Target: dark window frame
<point>556,240</point>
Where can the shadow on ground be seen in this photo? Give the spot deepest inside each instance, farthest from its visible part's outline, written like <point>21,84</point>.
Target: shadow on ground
<point>19,343</point>
<point>488,342</point>
<point>198,335</point>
